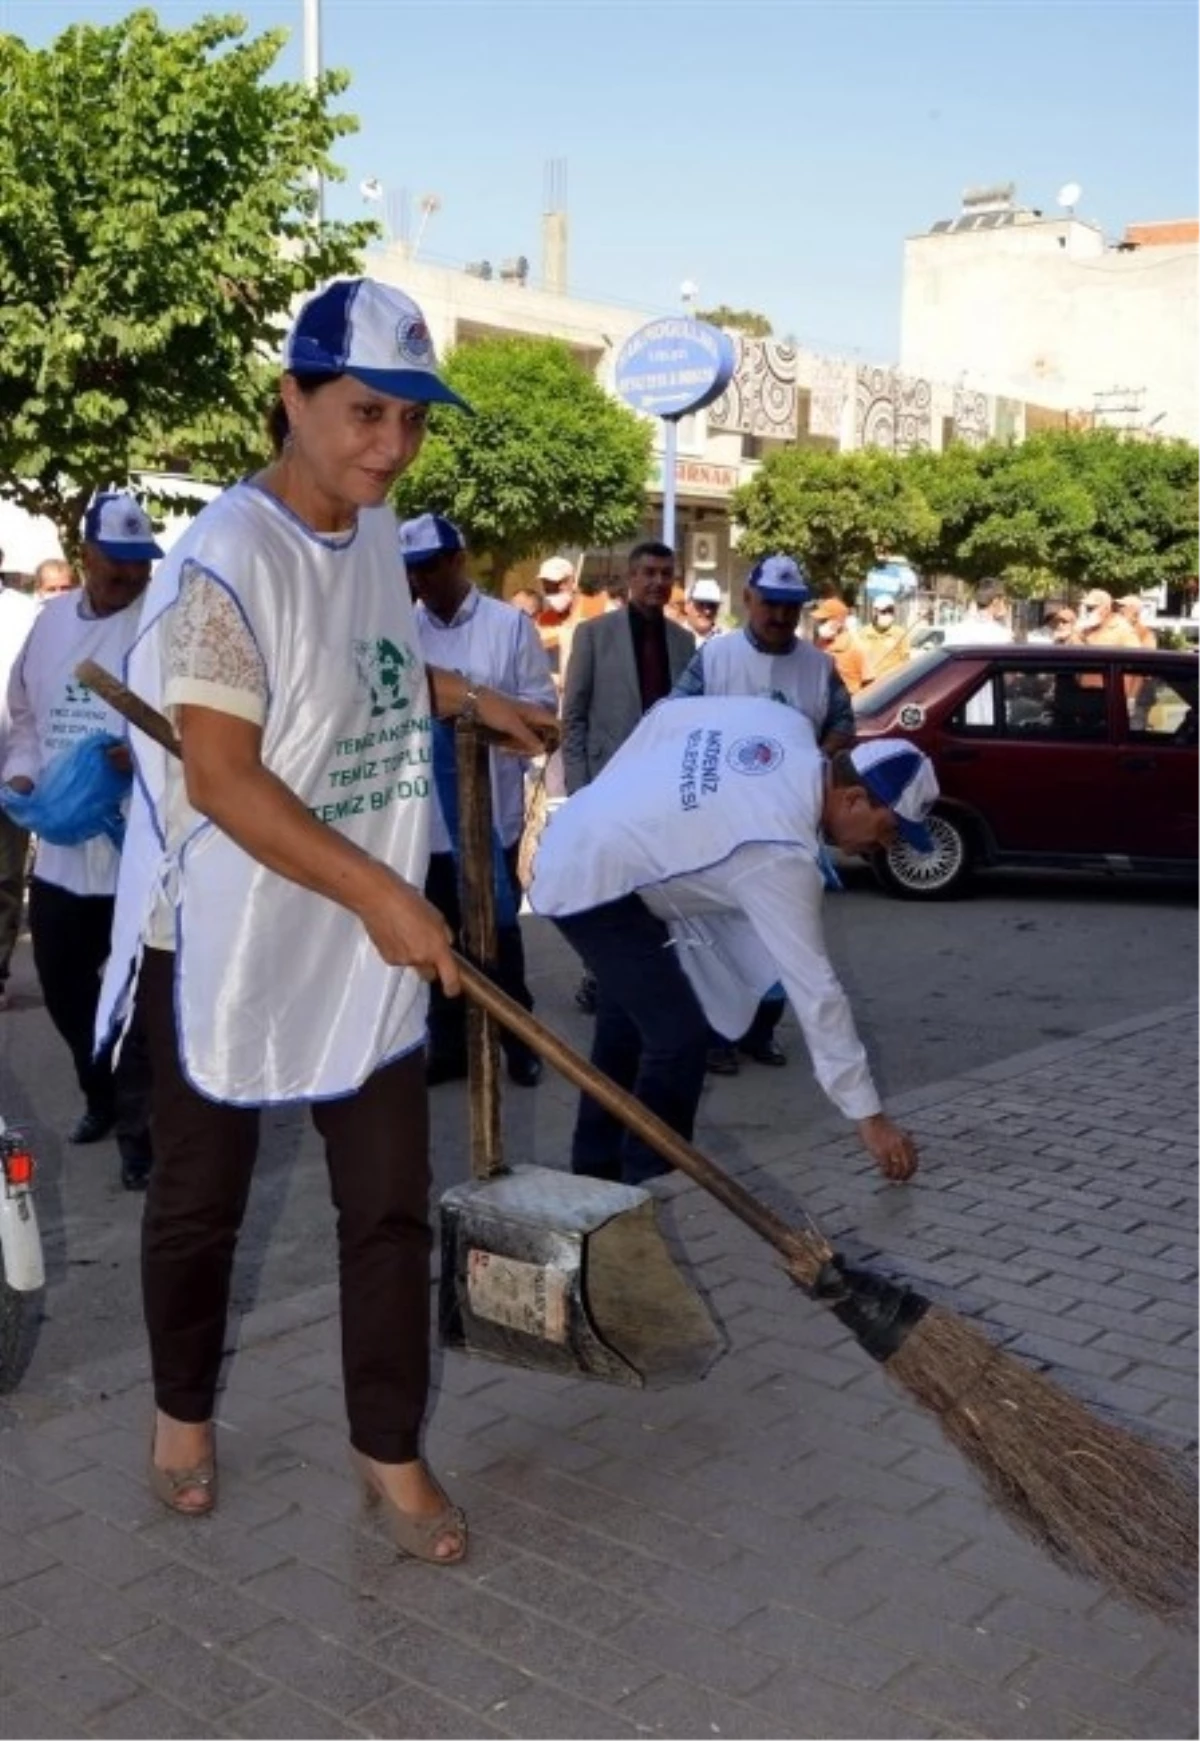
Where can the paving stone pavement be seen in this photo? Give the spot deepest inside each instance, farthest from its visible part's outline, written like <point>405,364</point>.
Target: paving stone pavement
<point>785,1549</point>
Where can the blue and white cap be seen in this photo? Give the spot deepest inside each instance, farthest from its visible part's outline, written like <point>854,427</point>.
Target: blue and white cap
<point>780,580</point>
<point>360,327</point>
<point>120,528</point>
<point>428,536</point>
<point>903,779</point>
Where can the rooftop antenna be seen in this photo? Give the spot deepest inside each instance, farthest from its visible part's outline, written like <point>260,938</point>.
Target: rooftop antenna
<point>372,192</point>
<point>427,205</point>
<point>554,227</point>
<point>1069,196</point>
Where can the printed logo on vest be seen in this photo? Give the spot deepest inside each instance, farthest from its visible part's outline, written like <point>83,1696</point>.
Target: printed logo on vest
<point>388,673</point>
<point>754,755</point>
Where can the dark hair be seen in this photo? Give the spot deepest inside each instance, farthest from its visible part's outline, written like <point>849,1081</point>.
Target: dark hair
<point>989,595</point>
<point>650,547</point>
<point>842,772</point>
<point>278,427</point>
<point>617,588</point>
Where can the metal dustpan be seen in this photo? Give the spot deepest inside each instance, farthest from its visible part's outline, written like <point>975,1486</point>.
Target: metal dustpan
<point>542,1268</point>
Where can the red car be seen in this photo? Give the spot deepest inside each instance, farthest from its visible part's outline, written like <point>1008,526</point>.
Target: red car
<point>1046,755</point>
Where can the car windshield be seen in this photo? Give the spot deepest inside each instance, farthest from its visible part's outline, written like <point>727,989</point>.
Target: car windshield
<point>878,697</point>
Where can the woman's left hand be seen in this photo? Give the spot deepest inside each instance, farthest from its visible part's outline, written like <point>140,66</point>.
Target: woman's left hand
<point>520,727</point>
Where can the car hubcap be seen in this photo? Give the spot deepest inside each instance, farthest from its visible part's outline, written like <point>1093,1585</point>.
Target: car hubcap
<point>929,871</point>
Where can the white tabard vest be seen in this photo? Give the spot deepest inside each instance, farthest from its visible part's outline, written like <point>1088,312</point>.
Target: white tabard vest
<point>280,995</point>
<point>697,779</point>
<point>800,679</point>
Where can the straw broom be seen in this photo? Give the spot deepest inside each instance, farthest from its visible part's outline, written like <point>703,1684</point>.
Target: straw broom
<point>1100,1500</point>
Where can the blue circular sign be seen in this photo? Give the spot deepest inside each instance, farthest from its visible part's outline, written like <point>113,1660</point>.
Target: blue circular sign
<point>675,366</point>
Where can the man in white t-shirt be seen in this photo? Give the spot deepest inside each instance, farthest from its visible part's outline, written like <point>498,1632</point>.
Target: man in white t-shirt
<point>17,614</point>
<point>72,889</point>
<point>687,878</point>
<point>986,624</point>
<point>490,642</point>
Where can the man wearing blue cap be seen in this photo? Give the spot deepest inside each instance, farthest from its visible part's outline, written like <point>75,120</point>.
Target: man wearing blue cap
<point>72,890</point>
<point>462,629</point>
<point>769,659</point>
<point>687,877</point>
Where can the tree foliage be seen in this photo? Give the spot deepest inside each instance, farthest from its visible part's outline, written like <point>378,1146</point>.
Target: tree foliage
<point>549,458</point>
<point>743,320</point>
<point>1061,509</point>
<point>157,207</point>
<point>838,512</point>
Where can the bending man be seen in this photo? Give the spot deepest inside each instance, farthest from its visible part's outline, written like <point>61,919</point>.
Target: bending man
<point>686,877</point>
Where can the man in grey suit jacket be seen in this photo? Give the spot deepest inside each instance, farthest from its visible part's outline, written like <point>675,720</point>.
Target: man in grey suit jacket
<point>621,664</point>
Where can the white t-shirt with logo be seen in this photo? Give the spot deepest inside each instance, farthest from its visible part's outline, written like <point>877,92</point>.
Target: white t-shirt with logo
<point>49,710</point>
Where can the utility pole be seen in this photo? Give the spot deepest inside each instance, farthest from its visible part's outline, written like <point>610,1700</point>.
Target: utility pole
<point>312,74</point>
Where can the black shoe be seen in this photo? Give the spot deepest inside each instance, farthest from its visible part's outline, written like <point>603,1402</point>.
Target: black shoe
<point>135,1172</point>
<point>93,1127</point>
<point>585,995</point>
<point>439,1070</point>
<point>525,1069</point>
<point>721,1061</point>
<point>763,1052</point>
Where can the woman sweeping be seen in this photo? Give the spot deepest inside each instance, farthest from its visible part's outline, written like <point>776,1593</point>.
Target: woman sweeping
<point>269,916</point>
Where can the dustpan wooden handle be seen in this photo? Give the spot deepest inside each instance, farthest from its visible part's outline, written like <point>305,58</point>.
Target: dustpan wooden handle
<point>806,1252</point>
<point>809,1250</point>
<point>477,889</point>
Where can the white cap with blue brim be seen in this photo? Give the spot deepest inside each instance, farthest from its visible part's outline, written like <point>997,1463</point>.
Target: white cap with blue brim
<point>898,775</point>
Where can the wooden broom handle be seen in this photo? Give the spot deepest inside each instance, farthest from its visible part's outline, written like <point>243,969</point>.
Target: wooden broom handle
<point>477,902</point>
<point>806,1252</point>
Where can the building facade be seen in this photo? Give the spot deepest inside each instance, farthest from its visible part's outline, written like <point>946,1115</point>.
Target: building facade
<point>1006,301</point>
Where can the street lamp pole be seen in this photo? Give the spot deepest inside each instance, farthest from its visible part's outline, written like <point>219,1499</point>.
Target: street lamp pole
<point>312,74</point>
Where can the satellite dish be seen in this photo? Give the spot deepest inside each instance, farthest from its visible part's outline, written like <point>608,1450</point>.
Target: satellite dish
<point>371,188</point>
<point>688,292</point>
<point>1070,195</point>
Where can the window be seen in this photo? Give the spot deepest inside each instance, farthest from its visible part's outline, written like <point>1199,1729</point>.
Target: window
<point>1160,708</point>
<point>1038,702</point>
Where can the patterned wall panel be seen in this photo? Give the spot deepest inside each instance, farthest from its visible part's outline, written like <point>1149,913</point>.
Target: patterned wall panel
<point>761,398</point>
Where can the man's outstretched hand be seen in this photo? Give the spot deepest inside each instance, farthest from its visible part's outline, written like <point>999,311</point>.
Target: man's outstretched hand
<point>892,1149</point>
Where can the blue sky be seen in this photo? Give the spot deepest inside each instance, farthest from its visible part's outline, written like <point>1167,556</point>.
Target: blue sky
<point>777,152</point>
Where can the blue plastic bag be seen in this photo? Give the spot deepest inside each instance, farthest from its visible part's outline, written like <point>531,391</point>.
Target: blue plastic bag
<point>78,796</point>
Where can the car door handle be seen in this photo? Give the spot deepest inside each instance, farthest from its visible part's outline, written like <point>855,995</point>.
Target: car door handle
<point>960,755</point>
<point>1137,764</point>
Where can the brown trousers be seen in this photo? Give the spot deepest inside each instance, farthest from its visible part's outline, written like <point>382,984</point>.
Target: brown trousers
<point>377,1152</point>
<point>14,852</point>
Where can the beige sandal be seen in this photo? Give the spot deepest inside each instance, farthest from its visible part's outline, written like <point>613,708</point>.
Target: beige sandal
<point>415,1536</point>
<point>168,1485</point>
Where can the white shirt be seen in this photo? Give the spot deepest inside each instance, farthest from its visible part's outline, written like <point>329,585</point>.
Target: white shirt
<point>977,630</point>
<point>495,644</point>
<point>710,812</point>
<point>49,710</point>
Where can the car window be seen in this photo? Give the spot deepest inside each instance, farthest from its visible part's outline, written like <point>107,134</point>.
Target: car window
<point>1045,702</point>
<point>1159,707</point>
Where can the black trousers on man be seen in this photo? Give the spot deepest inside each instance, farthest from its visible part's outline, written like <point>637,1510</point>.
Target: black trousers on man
<point>72,936</point>
<point>448,1015</point>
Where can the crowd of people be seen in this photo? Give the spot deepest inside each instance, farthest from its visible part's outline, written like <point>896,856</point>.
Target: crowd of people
<point>279,925</point>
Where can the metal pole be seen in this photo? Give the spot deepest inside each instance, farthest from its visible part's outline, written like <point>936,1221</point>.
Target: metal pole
<point>670,449</point>
<point>312,73</point>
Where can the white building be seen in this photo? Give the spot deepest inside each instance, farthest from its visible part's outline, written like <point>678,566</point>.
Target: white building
<point>1008,301</point>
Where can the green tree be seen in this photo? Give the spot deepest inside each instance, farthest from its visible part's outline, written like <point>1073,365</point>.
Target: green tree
<point>743,320</point>
<point>157,206</point>
<point>838,512</point>
<point>548,458</point>
<point>1144,495</point>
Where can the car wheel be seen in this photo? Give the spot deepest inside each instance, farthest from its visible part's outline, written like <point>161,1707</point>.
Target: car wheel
<point>929,876</point>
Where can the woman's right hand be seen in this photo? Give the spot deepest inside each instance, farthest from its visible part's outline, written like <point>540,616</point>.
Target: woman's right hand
<point>408,931</point>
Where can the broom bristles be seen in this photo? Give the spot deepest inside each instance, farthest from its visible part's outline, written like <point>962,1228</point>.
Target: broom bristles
<point>1098,1499</point>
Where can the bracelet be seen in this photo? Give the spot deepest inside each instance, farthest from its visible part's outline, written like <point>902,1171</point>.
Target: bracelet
<point>469,711</point>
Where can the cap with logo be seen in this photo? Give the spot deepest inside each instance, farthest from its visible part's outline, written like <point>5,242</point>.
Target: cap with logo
<point>780,580</point>
<point>372,331</point>
<point>556,569</point>
<point>705,592</point>
<point>899,776</point>
<point>119,527</point>
<point>429,536</point>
